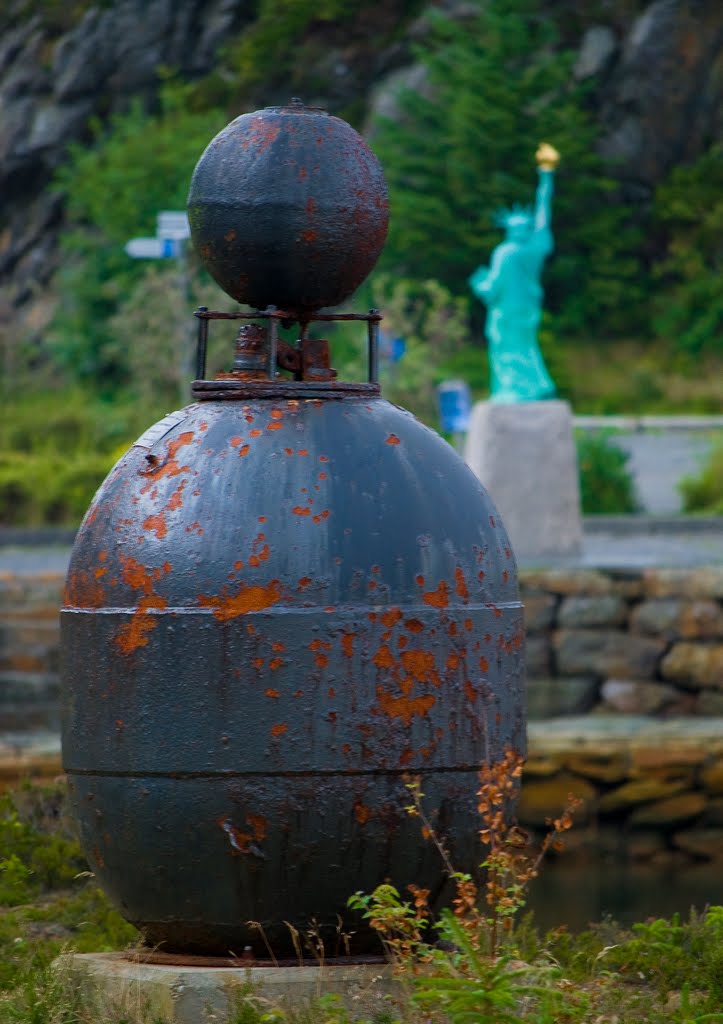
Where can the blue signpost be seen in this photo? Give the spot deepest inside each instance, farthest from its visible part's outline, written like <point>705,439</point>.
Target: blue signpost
<point>455,409</point>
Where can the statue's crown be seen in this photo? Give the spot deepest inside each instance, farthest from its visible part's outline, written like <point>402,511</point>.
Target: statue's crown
<point>512,216</point>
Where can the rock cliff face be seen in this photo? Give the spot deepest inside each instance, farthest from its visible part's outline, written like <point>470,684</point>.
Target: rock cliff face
<point>656,75</point>
<point>52,84</point>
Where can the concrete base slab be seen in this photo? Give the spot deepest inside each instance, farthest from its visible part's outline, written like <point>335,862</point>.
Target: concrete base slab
<point>525,456</point>
<point>118,984</point>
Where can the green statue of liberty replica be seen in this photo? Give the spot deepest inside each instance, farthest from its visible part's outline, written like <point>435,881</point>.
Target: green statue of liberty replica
<point>511,290</point>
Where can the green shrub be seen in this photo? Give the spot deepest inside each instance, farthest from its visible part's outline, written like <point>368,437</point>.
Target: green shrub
<point>606,486</point>
<point>704,493</point>
<point>48,489</point>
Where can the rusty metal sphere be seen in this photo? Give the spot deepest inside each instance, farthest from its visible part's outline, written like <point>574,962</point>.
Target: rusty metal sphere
<point>275,609</point>
<point>288,206</point>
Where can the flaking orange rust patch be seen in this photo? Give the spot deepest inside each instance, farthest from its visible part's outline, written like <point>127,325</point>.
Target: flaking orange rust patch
<point>403,706</point>
<point>246,599</point>
<point>421,666</point>
<point>438,598</point>
<point>460,585</point>
<point>134,634</point>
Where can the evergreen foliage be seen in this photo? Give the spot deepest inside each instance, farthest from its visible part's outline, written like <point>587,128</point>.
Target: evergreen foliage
<point>689,301</point>
<point>496,86</point>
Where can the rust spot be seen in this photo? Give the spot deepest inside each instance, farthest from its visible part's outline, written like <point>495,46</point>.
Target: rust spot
<point>134,634</point>
<point>100,573</point>
<point>484,664</point>
<point>453,661</point>
<point>309,235</point>
<point>299,510</point>
<point>255,433</point>
<point>497,612</point>
<point>480,575</point>
<point>391,617</point>
<point>244,450</point>
<point>230,235</point>
<point>420,665</point>
<point>346,749</point>
<point>438,598</point>
<point>298,693</point>
<point>247,599</point>
<point>156,524</point>
<point>331,693</point>
<point>419,580</point>
<point>321,660</point>
<point>384,657</point>
<point>275,694</point>
<point>452,629</point>
<point>402,642</point>
<point>414,626</point>
<point>276,646</point>
<point>304,582</point>
<point>322,476</point>
<point>372,585</point>
<point>249,418</point>
<point>362,813</point>
<point>262,519</point>
<point>238,565</point>
<point>289,451</point>
<point>461,584</point>
<point>258,664</point>
<point>276,663</point>
<point>275,426</point>
<point>276,414</point>
<point>303,451</point>
<point>279,729</point>
<point>311,206</point>
<point>323,458</point>
<point>235,441</point>
<point>405,757</point>
<point>403,706</point>
<point>102,556</point>
<point>468,625</point>
<point>508,553</point>
<point>392,439</point>
<point>258,826</point>
<point>332,717</point>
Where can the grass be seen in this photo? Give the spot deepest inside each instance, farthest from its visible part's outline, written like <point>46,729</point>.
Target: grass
<point>483,962</point>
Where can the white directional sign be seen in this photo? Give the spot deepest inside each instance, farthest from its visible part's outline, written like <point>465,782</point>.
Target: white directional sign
<point>152,248</point>
<point>173,224</point>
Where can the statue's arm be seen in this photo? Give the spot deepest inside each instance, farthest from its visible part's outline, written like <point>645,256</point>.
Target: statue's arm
<point>543,198</point>
<point>485,283</point>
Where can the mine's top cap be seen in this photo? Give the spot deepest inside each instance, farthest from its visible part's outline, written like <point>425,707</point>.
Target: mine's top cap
<point>288,207</point>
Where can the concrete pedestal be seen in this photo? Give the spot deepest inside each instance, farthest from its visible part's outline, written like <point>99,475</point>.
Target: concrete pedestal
<point>525,456</point>
<point>117,984</point>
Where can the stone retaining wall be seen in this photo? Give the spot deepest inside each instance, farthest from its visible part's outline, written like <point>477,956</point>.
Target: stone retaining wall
<point>646,641</point>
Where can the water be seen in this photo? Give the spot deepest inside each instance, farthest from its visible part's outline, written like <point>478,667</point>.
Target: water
<point>576,894</point>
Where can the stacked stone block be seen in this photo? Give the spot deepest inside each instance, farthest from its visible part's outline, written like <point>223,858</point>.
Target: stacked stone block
<point>646,641</point>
